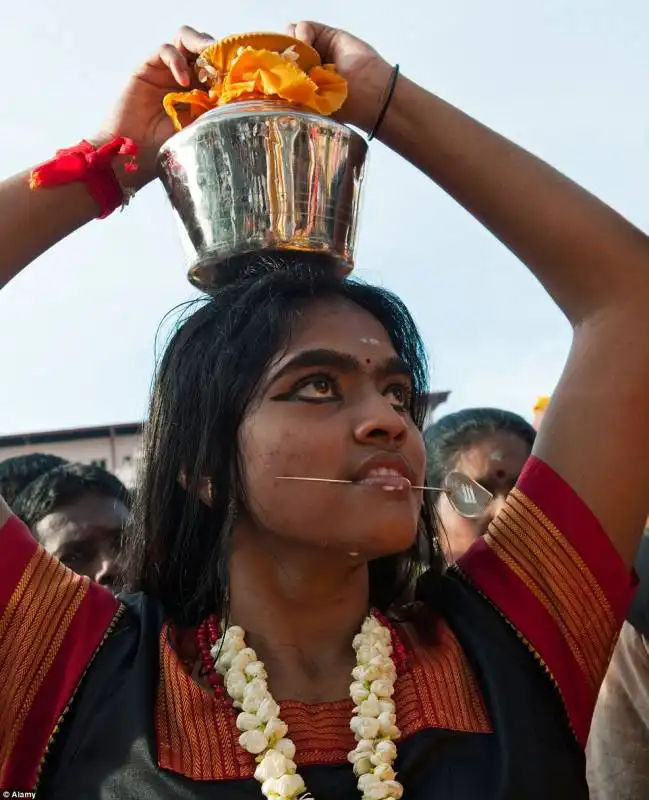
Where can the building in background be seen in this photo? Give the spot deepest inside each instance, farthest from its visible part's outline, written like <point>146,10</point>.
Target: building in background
<point>117,448</point>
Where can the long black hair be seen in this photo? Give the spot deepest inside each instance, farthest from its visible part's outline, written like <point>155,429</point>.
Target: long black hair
<point>205,382</point>
<point>450,435</point>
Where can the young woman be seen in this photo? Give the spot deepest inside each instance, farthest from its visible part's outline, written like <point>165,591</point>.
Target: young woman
<point>490,446</point>
<point>252,589</point>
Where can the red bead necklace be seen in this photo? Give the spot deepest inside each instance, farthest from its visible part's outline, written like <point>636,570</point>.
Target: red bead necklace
<point>207,634</point>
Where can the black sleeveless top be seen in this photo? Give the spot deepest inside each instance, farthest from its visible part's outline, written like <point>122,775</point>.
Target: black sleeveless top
<point>107,748</point>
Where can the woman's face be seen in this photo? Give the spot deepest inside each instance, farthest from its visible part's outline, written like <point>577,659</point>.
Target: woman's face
<point>495,463</point>
<point>335,405</point>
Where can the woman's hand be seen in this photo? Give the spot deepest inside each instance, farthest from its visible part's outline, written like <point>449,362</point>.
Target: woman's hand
<point>366,72</point>
<point>139,114</point>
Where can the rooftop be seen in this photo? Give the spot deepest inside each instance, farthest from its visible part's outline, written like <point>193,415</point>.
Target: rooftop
<point>71,434</point>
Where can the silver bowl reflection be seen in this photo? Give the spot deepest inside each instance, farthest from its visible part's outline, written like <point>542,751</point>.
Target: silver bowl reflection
<point>260,176</point>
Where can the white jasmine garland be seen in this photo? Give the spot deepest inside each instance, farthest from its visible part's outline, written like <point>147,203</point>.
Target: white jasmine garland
<point>264,734</point>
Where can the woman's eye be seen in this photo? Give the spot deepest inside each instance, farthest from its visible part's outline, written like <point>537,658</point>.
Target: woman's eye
<point>400,395</point>
<point>316,389</point>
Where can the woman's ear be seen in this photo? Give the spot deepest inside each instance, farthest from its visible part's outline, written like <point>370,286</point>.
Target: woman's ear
<point>204,487</point>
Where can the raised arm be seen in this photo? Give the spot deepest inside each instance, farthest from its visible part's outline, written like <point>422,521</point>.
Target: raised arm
<point>593,263</point>
<point>31,222</point>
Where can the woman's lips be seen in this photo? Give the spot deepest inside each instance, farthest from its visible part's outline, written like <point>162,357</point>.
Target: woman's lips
<point>390,480</point>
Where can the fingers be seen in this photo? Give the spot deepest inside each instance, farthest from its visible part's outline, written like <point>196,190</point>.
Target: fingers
<point>304,31</point>
<point>321,37</point>
<point>190,42</point>
<point>176,63</point>
<point>179,55</point>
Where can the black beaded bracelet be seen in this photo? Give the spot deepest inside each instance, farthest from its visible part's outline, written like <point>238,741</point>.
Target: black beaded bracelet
<point>386,103</point>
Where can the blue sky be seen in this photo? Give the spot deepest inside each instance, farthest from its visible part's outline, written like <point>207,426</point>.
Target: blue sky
<point>565,79</point>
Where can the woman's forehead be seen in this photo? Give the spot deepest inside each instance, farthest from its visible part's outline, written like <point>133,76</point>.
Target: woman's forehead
<point>338,324</point>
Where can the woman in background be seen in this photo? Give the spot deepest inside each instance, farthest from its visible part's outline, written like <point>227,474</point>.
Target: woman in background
<point>489,445</point>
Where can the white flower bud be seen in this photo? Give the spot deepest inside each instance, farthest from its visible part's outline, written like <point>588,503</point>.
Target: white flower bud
<point>387,721</point>
<point>383,649</point>
<point>370,624</point>
<point>290,54</point>
<point>235,684</point>
<point>365,727</point>
<point>253,694</point>
<point>358,692</point>
<point>362,766</point>
<point>253,742</point>
<point>395,789</point>
<point>234,632</point>
<point>364,654</point>
<point>384,635</point>
<point>268,709</point>
<point>382,688</point>
<point>275,730</point>
<point>269,788</point>
<point>256,669</point>
<point>290,786</point>
<point>217,650</point>
<point>243,658</point>
<point>247,722</point>
<point>355,755</point>
<point>385,752</point>
<point>273,765</point>
<point>387,706</point>
<point>233,642</point>
<point>385,772</point>
<point>370,707</point>
<point>377,792</point>
<point>366,672</point>
<point>367,781</point>
<point>222,663</point>
<point>286,747</point>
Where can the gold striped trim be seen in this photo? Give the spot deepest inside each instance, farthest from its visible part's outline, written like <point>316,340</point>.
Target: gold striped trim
<point>33,626</point>
<point>545,561</point>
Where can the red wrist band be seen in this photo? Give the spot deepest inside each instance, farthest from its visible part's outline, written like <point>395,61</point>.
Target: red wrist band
<point>91,166</point>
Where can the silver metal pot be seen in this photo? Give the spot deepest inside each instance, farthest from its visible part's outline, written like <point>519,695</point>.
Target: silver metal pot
<point>259,176</point>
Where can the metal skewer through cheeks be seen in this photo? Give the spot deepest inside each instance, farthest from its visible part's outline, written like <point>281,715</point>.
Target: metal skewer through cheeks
<point>468,498</point>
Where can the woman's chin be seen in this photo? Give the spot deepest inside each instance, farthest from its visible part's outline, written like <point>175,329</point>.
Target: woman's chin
<point>383,542</point>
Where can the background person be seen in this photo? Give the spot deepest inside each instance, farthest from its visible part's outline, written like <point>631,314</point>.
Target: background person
<point>489,445</point>
<point>80,514</point>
